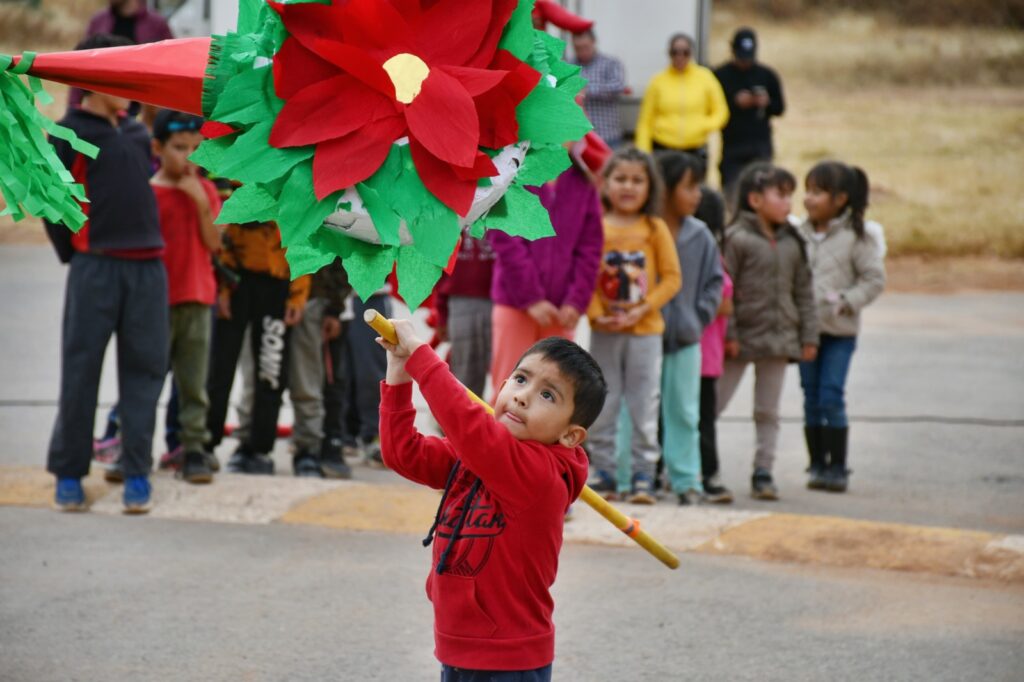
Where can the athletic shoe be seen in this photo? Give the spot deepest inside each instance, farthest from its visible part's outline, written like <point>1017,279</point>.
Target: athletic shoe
<point>212,461</point>
<point>643,490</point>
<point>137,495</point>
<point>243,462</point>
<point>69,495</point>
<point>172,459</point>
<point>372,456</point>
<point>194,468</point>
<point>305,465</point>
<point>762,487</point>
<point>106,451</point>
<point>689,498</point>
<point>715,492</point>
<point>332,461</point>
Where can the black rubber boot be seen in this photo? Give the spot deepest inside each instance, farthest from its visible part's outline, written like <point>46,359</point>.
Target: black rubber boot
<point>819,457</point>
<point>837,475</point>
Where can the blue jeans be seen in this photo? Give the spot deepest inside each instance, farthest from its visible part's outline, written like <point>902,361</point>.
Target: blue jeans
<point>824,382</point>
<point>450,674</point>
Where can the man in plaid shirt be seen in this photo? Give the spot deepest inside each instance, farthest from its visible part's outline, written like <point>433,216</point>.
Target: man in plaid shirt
<point>606,82</point>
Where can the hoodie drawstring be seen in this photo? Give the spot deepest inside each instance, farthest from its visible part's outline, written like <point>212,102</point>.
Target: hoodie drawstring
<point>440,505</point>
<point>466,506</point>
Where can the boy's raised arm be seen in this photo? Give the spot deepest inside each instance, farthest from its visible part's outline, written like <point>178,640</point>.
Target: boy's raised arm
<point>515,471</point>
<point>424,459</point>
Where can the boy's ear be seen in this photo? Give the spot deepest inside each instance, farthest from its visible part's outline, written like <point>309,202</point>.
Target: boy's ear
<point>754,200</point>
<point>573,436</point>
<point>156,146</point>
<point>843,199</point>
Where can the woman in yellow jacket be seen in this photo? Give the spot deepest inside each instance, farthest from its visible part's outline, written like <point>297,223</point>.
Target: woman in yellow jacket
<point>682,105</point>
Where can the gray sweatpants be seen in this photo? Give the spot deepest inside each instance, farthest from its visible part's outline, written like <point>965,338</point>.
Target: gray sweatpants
<point>769,376</point>
<point>632,369</point>
<point>305,381</point>
<point>469,330</point>
<point>107,296</point>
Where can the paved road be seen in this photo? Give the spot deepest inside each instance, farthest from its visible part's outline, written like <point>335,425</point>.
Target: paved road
<point>97,597</point>
<point>936,395</point>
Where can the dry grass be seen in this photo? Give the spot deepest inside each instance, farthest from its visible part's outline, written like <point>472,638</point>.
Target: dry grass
<point>943,153</point>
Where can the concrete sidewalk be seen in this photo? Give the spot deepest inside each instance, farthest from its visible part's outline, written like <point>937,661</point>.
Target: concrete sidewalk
<point>401,508</point>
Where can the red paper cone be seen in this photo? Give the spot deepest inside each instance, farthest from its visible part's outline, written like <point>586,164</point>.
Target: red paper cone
<point>166,74</point>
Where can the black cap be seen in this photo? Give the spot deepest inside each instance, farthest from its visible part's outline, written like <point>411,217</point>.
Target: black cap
<point>744,43</point>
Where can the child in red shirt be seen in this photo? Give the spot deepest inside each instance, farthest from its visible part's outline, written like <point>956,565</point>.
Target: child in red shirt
<point>508,480</point>
<point>187,204</point>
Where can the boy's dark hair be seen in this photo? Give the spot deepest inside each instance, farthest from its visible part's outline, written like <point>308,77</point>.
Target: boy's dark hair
<point>168,122</point>
<point>586,33</point>
<point>99,41</point>
<point>837,178</point>
<point>651,207</point>
<point>757,177</point>
<point>675,165</point>
<point>102,40</point>
<point>581,369</point>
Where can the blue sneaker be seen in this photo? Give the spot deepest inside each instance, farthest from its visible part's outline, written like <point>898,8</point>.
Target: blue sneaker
<point>137,492</point>
<point>643,490</point>
<point>69,497</point>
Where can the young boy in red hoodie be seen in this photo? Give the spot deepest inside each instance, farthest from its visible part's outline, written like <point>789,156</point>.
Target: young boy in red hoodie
<point>508,480</point>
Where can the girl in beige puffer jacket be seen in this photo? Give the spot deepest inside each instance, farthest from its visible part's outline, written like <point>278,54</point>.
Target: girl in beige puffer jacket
<point>848,275</point>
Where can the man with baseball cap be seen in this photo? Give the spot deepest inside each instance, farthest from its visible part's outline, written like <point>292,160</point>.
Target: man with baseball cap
<point>754,93</point>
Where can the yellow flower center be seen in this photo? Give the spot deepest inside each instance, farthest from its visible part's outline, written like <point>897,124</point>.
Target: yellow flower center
<point>407,72</point>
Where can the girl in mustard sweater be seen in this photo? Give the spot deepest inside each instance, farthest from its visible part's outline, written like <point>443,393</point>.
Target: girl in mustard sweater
<point>639,273</point>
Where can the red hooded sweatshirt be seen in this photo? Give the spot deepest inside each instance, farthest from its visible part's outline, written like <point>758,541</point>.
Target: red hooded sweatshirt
<point>498,529</point>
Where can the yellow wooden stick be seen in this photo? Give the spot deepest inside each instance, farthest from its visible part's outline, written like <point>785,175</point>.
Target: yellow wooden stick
<point>629,526</point>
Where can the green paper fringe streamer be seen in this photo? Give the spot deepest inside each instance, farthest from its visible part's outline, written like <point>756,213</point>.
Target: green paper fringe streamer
<point>33,181</point>
<point>278,182</point>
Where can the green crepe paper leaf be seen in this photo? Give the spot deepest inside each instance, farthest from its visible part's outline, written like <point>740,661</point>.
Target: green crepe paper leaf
<point>518,35</point>
<point>252,159</point>
<point>249,15</point>
<point>300,214</point>
<point>416,276</point>
<point>368,265</point>
<point>479,227</point>
<point>542,163</point>
<point>549,115</point>
<point>434,227</point>
<point>236,104</point>
<point>306,259</point>
<point>210,153</point>
<point>520,214</point>
<point>385,220</point>
<point>247,204</point>
<point>33,181</point>
<point>572,85</point>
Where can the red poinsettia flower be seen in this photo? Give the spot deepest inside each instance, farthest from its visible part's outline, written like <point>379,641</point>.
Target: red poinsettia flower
<point>356,75</point>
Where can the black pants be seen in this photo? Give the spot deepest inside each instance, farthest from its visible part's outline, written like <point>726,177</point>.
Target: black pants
<point>260,301</point>
<point>107,296</point>
<point>701,151</point>
<point>352,402</point>
<point>733,164</point>
<point>708,433</point>
<point>450,674</point>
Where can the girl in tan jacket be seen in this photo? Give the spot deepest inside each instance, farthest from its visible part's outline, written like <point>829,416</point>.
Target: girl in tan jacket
<point>848,275</point>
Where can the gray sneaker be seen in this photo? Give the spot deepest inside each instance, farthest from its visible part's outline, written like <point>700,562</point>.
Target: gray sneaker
<point>689,498</point>
<point>762,487</point>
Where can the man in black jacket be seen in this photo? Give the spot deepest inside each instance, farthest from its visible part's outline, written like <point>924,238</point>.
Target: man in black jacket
<point>754,93</point>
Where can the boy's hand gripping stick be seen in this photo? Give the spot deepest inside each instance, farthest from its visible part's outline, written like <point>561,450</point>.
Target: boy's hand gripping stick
<point>627,525</point>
